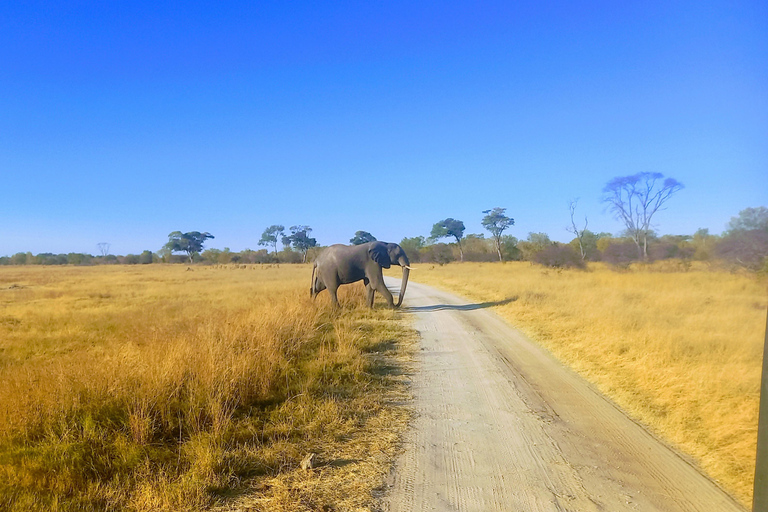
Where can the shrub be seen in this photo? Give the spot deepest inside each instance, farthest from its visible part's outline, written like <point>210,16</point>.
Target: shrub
<point>412,247</point>
<point>620,254</point>
<point>748,249</point>
<point>130,259</point>
<point>289,256</point>
<point>559,256</point>
<point>437,253</point>
<point>534,244</point>
<point>663,251</point>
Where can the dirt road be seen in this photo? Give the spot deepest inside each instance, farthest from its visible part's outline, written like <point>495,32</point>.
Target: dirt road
<point>502,426</point>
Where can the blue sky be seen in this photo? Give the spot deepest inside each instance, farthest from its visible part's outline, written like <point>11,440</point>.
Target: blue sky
<point>121,122</point>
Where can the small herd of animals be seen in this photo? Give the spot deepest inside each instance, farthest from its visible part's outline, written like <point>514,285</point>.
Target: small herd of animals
<point>344,264</point>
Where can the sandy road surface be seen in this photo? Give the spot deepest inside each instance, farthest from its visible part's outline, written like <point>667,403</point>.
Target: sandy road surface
<point>500,425</point>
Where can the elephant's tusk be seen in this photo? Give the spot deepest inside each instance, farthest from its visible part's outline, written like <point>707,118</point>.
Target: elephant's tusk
<point>409,268</point>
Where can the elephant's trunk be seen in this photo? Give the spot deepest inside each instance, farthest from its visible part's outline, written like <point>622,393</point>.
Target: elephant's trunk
<point>404,282</point>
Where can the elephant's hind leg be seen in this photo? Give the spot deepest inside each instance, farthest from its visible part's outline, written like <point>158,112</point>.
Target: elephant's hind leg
<point>317,287</point>
<point>334,298</point>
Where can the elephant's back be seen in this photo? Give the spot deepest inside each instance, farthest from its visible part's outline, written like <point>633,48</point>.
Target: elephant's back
<point>333,253</point>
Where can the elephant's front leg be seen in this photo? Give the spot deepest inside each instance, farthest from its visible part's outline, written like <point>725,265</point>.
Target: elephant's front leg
<point>379,286</point>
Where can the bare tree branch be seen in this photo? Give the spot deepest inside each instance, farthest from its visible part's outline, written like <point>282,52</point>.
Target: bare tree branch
<point>635,200</point>
<point>579,234</point>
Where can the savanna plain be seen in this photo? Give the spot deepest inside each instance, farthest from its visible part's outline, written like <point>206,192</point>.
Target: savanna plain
<point>678,345</point>
<point>167,387</point>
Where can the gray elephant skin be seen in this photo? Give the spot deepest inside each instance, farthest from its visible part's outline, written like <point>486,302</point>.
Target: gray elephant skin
<point>343,264</point>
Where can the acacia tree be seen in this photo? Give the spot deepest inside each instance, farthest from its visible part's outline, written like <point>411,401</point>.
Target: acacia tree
<point>270,236</point>
<point>746,240</point>
<point>496,222</point>
<point>362,237</point>
<point>635,199</point>
<point>749,219</point>
<point>191,243</point>
<point>299,239</point>
<point>449,228</point>
<point>578,233</point>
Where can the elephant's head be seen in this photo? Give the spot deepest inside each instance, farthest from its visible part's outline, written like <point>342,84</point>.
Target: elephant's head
<point>387,255</point>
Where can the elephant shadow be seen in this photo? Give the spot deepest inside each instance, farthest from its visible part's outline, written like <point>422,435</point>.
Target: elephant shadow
<point>459,307</point>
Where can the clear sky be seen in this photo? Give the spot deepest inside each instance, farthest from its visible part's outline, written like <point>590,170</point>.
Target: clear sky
<point>123,121</point>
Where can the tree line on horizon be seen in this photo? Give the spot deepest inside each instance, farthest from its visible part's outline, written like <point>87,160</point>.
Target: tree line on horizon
<point>631,199</point>
<point>743,244</point>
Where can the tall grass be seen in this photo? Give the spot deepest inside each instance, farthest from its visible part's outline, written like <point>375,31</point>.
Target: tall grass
<point>159,388</point>
<point>678,348</point>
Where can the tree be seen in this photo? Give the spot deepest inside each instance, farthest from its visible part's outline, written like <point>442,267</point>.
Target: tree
<point>749,219</point>
<point>191,243</point>
<point>748,249</point>
<point>211,255</point>
<point>635,199</point>
<point>104,248</point>
<point>362,237</point>
<point>299,239</point>
<point>496,222</point>
<point>509,248</point>
<point>589,244</point>
<point>578,233</point>
<point>534,244</point>
<point>145,257</point>
<point>702,243</point>
<point>271,235</point>
<point>412,247</point>
<point>746,241</point>
<point>449,228</point>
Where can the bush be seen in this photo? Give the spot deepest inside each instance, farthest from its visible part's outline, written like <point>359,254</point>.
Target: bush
<point>260,256</point>
<point>437,253</point>
<point>748,249</point>
<point>48,258</point>
<point>76,258</point>
<point>289,256</point>
<point>534,244</point>
<point>620,254</point>
<point>412,247</point>
<point>663,251</point>
<point>559,256</point>
<point>480,256</point>
<point>19,258</point>
<point>130,259</point>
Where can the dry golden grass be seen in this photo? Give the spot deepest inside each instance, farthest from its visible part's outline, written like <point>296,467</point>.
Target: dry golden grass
<point>162,388</point>
<point>679,350</point>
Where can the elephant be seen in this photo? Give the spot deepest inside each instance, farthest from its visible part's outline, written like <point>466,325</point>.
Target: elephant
<point>343,264</point>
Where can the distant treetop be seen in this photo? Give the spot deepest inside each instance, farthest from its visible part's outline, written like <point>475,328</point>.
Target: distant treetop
<point>749,219</point>
<point>191,243</point>
<point>362,237</point>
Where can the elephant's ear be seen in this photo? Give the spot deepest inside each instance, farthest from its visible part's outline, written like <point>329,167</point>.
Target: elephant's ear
<point>378,253</point>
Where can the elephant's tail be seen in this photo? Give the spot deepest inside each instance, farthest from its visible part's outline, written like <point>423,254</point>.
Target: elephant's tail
<point>313,285</point>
